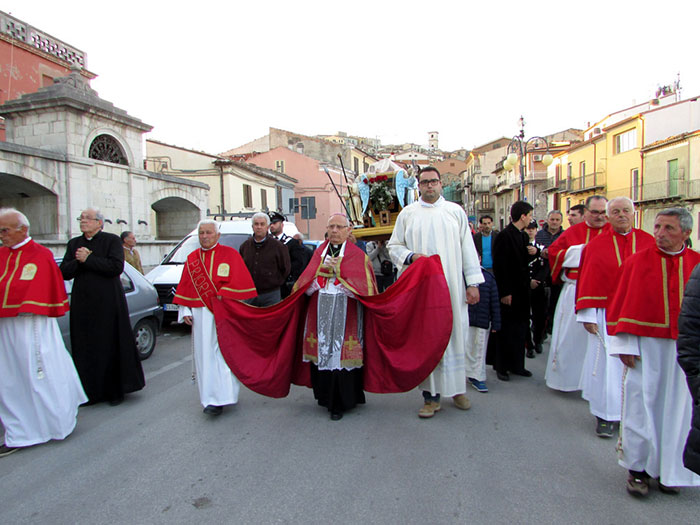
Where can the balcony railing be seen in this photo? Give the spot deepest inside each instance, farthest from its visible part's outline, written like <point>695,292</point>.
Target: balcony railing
<point>589,182</point>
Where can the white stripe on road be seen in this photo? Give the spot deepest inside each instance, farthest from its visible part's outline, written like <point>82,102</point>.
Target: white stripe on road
<point>166,368</point>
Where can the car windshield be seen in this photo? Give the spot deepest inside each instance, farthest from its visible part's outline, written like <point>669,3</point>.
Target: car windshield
<point>191,243</point>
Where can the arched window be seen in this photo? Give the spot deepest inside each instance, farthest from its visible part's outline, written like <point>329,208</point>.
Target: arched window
<point>107,148</point>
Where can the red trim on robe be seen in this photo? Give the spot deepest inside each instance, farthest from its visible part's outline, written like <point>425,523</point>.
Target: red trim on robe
<point>577,234</point>
<point>601,265</point>
<point>227,271</point>
<point>31,282</point>
<point>648,299</point>
<point>406,331</point>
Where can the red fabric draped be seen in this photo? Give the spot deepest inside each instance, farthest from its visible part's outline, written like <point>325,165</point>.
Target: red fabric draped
<point>577,234</point>
<point>407,329</point>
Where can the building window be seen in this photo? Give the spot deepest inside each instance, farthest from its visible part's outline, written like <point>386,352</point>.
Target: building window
<point>278,204</point>
<point>557,174</point>
<point>485,201</point>
<point>308,207</point>
<point>636,194</point>
<point>106,148</point>
<point>263,199</point>
<point>626,141</point>
<point>365,167</point>
<point>300,148</point>
<point>247,196</point>
<point>279,166</point>
<point>293,205</point>
<point>672,172</point>
<point>582,169</point>
<point>356,165</point>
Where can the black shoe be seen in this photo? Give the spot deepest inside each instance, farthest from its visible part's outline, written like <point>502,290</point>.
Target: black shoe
<point>538,348</point>
<point>336,416</point>
<point>523,373</point>
<point>116,402</point>
<point>213,410</point>
<point>503,376</point>
<point>665,489</point>
<point>603,428</point>
<point>530,354</point>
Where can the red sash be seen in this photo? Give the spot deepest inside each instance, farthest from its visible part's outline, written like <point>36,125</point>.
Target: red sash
<point>202,282</point>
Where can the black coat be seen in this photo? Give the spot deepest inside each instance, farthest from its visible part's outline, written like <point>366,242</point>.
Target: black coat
<point>103,345</point>
<point>510,266</point>
<point>688,345</point>
<point>487,312</point>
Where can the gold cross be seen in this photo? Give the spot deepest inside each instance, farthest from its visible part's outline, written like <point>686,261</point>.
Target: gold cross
<point>312,342</point>
<point>351,343</point>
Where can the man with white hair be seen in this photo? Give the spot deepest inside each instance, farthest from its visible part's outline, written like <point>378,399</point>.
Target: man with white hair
<point>39,388</point>
<point>268,262</point>
<point>102,341</point>
<point>211,272</point>
<point>642,321</point>
<point>600,269</point>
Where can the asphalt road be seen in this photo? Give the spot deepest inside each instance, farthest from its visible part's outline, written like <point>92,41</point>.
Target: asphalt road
<point>522,454</point>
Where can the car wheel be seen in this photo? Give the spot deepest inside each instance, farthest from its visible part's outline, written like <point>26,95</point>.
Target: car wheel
<point>145,334</point>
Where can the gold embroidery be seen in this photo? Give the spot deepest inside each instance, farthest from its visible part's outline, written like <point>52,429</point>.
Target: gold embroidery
<point>223,270</point>
<point>617,251</point>
<point>28,272</point>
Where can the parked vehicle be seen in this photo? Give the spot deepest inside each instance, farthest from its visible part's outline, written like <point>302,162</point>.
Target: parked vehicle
<point>166,276</point>
<point>145,312</point>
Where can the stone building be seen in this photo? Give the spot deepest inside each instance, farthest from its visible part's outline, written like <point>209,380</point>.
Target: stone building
<point>67,149</point>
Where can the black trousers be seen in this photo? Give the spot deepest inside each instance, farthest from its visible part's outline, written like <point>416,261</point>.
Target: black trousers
<point>510,356</point>
<point>337,390</point>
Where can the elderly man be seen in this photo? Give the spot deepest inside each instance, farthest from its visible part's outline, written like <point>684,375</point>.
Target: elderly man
<point>333,335</point>
<point>131,255</point>
<point>601,266</point>
<point>432,226</point>
<point>102,342</point>
<point>298,256</point>
<point>642,320</point>
<point>267,260</point>
<point>212,271</point>
<point>569,339</point>
<point>39,388</point>
<point>550,232</point>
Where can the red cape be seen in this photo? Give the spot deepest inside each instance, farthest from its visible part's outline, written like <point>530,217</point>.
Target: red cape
<point>406,331</point>
<point>227,271</point>
<point>31,282</point>
<point>601,265</point>
<point>648,299</point>
<point>577,234</point>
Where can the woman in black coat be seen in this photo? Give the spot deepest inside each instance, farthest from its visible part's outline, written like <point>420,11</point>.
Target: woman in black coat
<point>688,346</point>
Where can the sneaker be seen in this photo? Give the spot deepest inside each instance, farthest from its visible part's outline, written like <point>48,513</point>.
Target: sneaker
<point>462,402</point>
<point>637,486</point>
<point>530,354</point>
<point>603,428</point>
<point>6,451</point>
<point>213,410</point>
<point>478,385</point>
<point>429,409</point>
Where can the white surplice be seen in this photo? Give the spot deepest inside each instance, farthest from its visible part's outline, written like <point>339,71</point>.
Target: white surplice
<point>217,384</point>
<point>39,387</point>
<point>569,339</point>
<point>656,410</point>
<point>442,228</point>
<point>601,380</point>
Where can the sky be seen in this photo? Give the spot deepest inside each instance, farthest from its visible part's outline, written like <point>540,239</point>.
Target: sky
<point>213,75</point>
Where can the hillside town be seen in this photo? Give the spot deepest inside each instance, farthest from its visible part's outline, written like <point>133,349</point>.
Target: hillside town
<point>148,286</point>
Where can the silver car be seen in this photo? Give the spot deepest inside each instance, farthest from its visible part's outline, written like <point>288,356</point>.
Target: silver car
<point>145,312</point>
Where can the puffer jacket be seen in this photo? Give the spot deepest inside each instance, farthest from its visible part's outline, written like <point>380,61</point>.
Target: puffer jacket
<point>487,312</point>
<point>688,346</point>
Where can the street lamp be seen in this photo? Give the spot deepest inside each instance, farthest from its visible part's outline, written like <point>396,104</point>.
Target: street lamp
<point>518,148</point>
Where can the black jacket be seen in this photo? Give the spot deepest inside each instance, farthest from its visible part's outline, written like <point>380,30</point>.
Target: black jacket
<point>510,266</point>
<point>487,312</point>
<point>477,241</point>
<point>688,345</point>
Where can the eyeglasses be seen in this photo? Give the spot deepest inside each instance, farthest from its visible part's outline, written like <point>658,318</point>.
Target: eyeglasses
<point>429,182</point>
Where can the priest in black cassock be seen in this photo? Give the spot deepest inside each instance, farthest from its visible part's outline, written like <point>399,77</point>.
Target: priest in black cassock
<point>103,346</point>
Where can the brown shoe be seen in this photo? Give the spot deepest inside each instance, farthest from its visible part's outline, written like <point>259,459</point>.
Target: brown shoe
<point>638,486</point>
<point>429,409</point>
<point>462,402</point>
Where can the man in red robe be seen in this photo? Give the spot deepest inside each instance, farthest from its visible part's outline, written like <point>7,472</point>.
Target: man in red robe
<point>336,334</point>
<point>39,387</point>
<point>569,340</point>
<point>642,320</point>
<point>212,271</point>
<point>600,269</point>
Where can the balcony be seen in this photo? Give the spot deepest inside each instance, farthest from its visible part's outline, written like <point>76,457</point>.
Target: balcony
<point>589,182</point>
<point>661,191</point>
<point>553,185</point>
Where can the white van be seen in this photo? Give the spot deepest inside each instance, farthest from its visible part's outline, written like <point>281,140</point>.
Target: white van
<point>166,276</point>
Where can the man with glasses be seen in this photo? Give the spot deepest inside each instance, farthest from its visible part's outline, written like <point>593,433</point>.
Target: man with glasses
<point>569,339</point>
<point>432,226</point>
<point>103,345</point>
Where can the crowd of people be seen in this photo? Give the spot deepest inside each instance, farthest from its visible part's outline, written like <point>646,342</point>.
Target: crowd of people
<point>607,295</point>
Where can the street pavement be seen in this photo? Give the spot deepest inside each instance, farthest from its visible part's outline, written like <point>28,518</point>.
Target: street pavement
<point>522,454</point>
